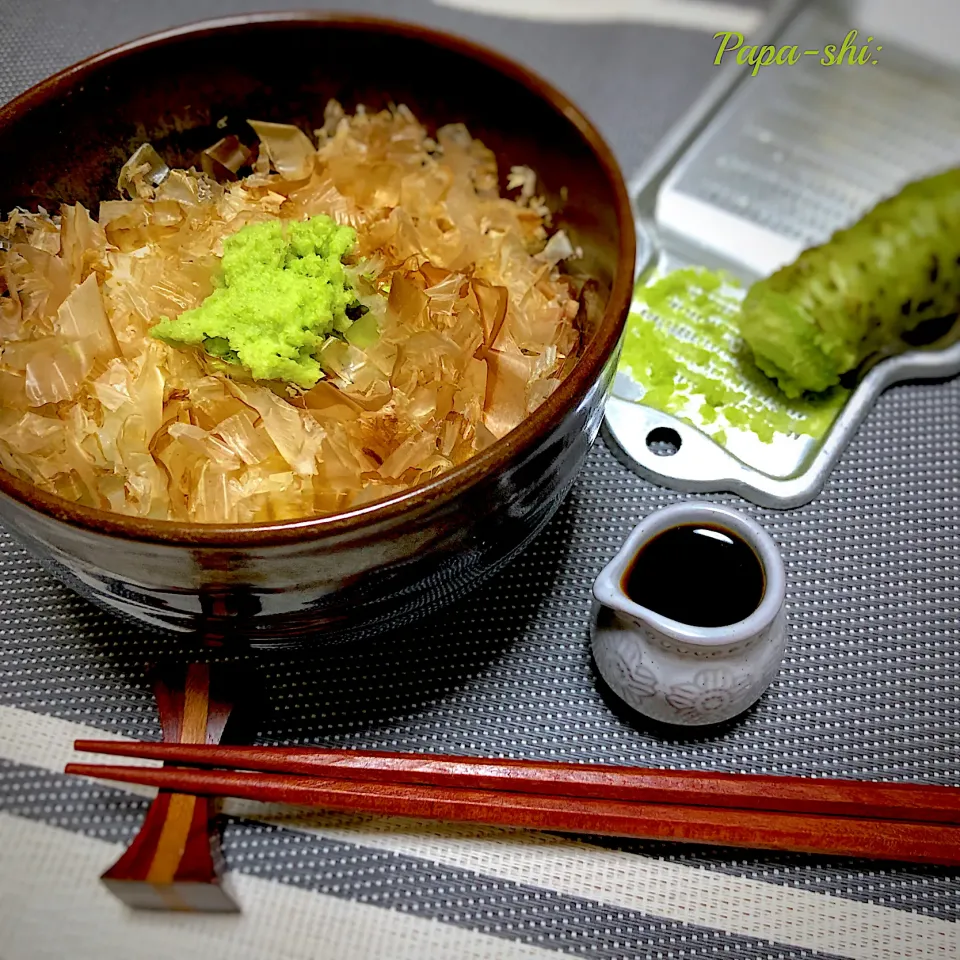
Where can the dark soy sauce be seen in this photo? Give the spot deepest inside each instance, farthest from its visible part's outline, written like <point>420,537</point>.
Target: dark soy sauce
<point>697,574</point>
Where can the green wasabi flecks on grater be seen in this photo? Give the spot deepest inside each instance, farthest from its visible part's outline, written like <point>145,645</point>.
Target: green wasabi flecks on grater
<point>684,351</point>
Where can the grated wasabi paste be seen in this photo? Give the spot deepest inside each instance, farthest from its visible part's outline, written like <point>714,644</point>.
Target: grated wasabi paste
<point>684,350</point>
<point>283,292</point>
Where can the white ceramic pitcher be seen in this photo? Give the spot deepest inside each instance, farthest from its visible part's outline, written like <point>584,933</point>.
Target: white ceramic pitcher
<point>678,673</point>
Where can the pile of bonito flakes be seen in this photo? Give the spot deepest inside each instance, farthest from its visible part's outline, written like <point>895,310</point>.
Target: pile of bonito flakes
<point>477,326</point>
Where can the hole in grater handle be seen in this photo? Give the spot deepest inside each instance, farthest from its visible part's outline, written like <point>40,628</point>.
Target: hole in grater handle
<point>664,441</point>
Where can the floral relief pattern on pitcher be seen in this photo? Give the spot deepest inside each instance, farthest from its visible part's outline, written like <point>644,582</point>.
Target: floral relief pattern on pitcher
<point>627,671</point>
<point>711,693</point>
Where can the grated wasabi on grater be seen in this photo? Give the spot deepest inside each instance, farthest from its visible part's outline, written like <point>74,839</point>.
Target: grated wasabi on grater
<point>684,353</point>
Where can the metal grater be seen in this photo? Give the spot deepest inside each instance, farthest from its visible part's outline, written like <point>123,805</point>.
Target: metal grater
<point>762,168</point>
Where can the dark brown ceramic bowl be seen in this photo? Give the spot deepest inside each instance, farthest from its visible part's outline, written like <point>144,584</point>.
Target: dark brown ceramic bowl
<point>378,566</point>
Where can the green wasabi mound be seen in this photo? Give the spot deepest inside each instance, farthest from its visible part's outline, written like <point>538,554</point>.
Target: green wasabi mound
<point>283,291</point>
<point>856,295</point>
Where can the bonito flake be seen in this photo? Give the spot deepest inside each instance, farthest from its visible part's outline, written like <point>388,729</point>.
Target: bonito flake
<point>468,324</point>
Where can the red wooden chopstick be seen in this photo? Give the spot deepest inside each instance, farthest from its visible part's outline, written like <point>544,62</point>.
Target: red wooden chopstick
<point>756,829</point>
<point>862,799</point>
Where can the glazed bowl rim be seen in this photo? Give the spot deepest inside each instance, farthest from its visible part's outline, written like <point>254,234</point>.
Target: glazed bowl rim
<point>478,468</point>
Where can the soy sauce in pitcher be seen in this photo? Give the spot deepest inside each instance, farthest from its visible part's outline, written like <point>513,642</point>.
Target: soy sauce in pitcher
<point>697,574</point>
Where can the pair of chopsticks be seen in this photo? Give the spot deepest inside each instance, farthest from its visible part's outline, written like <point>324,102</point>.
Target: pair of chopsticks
<point>886,821</point>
